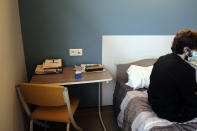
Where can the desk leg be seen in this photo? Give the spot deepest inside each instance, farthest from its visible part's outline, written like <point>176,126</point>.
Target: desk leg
<point>99,107</point>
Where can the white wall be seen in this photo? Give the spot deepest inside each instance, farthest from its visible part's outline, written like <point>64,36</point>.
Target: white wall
<point>12,66</point>
<point>121,48</point>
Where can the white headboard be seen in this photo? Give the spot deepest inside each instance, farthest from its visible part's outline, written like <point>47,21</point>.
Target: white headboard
<point>120,48</point>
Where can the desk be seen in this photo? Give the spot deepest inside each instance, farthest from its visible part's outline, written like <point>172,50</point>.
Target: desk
<point>68,78</point>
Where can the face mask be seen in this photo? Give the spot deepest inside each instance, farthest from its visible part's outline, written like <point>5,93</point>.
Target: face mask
<point>193,57</point>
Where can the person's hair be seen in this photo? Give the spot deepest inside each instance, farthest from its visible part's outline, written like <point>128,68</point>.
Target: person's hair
<point>184,38</point>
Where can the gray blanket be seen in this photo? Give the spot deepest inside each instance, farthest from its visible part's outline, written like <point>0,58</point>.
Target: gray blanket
<point>136,115</point>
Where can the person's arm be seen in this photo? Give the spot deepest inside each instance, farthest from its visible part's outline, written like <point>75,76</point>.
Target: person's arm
<point>196,88</point>
<point>186,80</point>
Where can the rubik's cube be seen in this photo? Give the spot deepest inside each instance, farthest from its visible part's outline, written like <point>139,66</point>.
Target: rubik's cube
<point>78,75</point>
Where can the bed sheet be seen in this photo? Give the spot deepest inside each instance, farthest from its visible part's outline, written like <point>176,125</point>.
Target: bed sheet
<point>136,115</point>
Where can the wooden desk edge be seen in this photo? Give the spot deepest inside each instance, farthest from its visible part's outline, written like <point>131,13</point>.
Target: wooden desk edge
<point>83,82</point>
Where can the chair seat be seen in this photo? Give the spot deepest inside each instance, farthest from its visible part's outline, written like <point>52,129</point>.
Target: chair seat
<point>58,114</point>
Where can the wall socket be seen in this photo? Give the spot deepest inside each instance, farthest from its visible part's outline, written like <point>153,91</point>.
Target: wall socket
<point>75,52</point>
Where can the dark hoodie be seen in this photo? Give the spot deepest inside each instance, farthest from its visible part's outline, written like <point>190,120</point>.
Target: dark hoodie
<point>171,93</point>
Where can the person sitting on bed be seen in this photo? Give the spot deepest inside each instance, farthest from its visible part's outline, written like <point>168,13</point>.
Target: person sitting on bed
<point>171,93</point>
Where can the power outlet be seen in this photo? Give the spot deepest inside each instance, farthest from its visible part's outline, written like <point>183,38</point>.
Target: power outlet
<point>75,52</point>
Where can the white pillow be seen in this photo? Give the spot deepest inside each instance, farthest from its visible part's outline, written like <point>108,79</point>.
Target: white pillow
<point>138,76</point>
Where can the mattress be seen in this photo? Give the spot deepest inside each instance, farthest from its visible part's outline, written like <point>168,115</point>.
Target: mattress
<point>120,92</point>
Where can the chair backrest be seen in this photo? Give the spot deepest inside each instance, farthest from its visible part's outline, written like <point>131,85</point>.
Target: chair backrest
<point>42,94</point>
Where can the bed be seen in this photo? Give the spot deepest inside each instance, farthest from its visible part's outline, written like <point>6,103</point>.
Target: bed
<point>132,110</point>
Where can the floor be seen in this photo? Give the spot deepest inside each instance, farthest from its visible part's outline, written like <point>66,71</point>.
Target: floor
<point>87,119</point>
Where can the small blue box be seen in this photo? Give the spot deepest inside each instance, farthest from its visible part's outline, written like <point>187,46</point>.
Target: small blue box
<point>78,75</point>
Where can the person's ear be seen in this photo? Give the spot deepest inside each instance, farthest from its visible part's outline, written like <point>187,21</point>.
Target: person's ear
<point>187,51</point>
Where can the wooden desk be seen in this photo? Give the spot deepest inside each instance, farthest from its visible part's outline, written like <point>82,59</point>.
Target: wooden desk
<point>68,78</point>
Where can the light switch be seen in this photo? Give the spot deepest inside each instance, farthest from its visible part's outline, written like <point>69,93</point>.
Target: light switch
<point>75,52</point>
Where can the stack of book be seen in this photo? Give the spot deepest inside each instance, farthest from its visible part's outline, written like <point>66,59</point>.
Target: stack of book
<point>50,66</point>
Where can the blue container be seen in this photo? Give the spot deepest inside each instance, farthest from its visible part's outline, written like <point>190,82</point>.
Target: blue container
<point>78,75</point>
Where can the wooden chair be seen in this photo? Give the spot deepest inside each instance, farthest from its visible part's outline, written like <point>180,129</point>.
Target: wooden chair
<point>52,101</point>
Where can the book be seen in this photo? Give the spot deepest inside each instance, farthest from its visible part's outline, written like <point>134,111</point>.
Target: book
<point>52,63</point>
<point>92,67</point>
<point>40,70</point>
<point>50,66</point>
